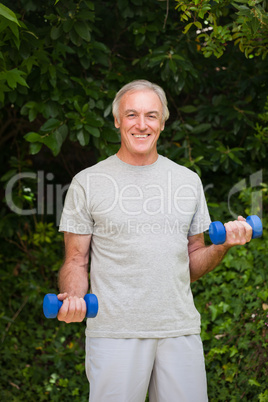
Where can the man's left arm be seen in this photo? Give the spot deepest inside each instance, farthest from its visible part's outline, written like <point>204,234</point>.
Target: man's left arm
<point>203,259</point>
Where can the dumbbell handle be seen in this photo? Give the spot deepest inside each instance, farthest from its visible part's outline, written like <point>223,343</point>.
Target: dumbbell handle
<point>52,304</point>
<point>217,232</point>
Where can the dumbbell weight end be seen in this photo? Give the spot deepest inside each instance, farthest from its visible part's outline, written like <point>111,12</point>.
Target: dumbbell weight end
<point>255,222</point>
<point>217,232</point>
<point>51,305</point>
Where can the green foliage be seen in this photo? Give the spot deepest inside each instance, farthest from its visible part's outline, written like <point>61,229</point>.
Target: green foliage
<point>62,78</point>
<point>47,60</point>
<point>61,63</point>
<point>247,27</point>
<point>233,304</point>
<point>41,359</point>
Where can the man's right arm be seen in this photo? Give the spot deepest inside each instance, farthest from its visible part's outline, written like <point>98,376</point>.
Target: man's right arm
<point>73,277</point>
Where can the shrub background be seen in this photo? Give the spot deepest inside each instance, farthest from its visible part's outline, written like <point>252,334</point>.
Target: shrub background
<point>60,67</point>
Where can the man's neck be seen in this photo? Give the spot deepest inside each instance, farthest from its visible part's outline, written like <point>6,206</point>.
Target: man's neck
<point>138,159</point>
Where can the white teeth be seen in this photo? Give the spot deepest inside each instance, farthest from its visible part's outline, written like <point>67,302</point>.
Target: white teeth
<point>140,135</point>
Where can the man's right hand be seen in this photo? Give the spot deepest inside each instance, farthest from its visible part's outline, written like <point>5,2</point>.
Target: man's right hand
<point>73,308</point>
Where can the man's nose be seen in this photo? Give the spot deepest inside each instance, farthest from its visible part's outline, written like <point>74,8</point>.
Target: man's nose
<point>141,123</point>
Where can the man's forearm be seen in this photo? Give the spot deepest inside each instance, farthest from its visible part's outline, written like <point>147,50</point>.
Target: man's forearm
<point>73,278</point>
<point>205,259</point>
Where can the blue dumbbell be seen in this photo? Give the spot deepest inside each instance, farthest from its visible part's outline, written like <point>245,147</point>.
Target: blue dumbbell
<point>217,232</point>
<point>52,304</point>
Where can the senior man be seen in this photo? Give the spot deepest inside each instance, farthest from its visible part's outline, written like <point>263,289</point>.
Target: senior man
<point>141,218</point>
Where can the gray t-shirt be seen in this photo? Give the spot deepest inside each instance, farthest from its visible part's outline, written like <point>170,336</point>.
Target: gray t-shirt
<point>140,218</point>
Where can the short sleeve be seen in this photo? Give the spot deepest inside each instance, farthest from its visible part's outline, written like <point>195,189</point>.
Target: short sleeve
<point>76,217</point>
<point>201,219</point>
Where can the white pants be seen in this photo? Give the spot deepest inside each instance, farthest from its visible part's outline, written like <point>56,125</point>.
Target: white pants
<point>122,370</point>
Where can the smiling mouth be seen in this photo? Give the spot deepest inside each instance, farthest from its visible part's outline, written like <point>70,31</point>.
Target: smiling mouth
<point>140,135</point>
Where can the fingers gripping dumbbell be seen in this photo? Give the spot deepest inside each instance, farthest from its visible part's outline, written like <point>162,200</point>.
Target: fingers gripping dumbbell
<point>52,304</point>
<point>217,232</point>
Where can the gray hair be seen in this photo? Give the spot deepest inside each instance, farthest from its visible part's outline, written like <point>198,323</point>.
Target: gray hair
<point>138,85</point>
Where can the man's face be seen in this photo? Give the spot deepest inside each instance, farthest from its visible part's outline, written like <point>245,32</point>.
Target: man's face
<point>140,125</point>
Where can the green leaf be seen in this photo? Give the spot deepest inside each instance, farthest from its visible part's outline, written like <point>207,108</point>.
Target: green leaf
<point>235,158</point>
<point>108,110</point>
<point>32,114</point>
<point>8,175</point>
<point>188,109</point>
<point>8,14</point>
<point>85,108</point>
<point>214,310</point>
<point>198,159</point>
<point>201,128</point>
<point>13,77</point>
<point>94,121</point>
<point>253,381</point>
<point>188,26</point>
<point>93,131</point>
<point>63,130</point>
<point>90,5</point>
<point>53,142</point>
<point>49,125</point>
<point>83,137</point>
<point>82,29</point>
<point>35,148</point>
<point>15,31</point>
<point>198,24</point>
<point>55,33</point>
<point>110,135</point>
<point>77,107</point>
<point>233,351</point>
<point>72,115</point>
<point>263,397</point>
<point>32,137</point>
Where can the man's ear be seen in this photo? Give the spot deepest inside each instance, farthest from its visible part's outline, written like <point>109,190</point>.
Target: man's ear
<point>116,123</point>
